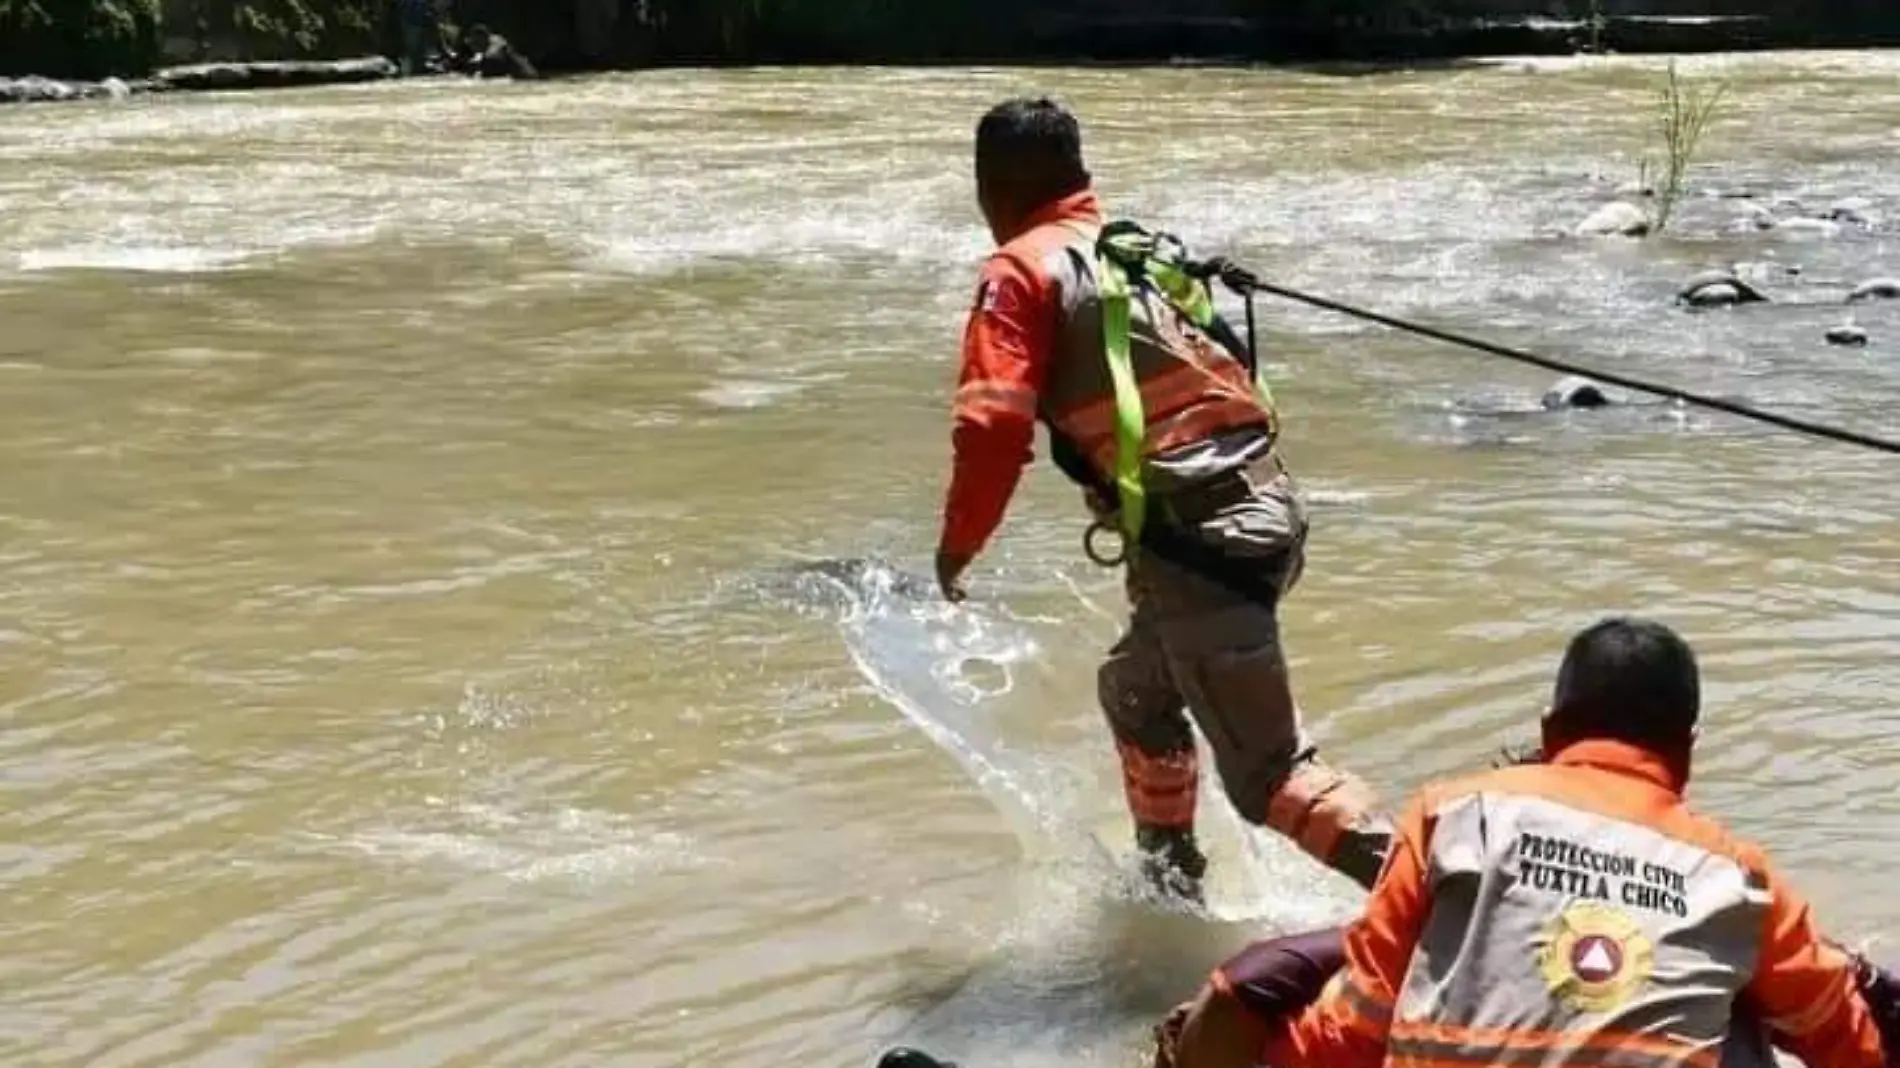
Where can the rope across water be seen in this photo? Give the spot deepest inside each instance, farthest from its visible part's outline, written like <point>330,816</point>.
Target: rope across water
<point>1244,282</point>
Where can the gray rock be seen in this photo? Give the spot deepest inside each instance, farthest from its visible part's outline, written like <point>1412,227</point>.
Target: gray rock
<point>34,89</point>
<point>1615,219</point>
<point>1876,289</point>
<point>1846,335</point>
<point>1575,392</point>
<point>1713,289</point>
<point>1854,211</point>
<point>277,75</point>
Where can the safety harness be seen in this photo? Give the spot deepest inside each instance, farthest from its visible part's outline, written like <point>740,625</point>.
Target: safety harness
<point>1132,262</point>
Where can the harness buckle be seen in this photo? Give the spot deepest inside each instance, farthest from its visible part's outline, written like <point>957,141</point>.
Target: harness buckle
<point>1095,555</point>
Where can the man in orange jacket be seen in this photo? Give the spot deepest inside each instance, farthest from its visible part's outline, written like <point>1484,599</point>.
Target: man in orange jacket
<point>1225,525</point>
<point>1569,910</point>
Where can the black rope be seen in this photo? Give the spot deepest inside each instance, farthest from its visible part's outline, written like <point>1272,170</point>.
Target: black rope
<point>1242,281</point>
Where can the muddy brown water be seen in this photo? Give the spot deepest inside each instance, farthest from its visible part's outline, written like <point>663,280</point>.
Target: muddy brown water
<point>397,482</point>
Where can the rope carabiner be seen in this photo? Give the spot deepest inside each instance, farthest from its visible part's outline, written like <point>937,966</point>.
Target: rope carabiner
<point>1095,555</point>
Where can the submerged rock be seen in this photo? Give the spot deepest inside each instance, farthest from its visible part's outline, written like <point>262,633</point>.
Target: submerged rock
<point>1854,211</point>
<point>1817,227</point>
<point>1712,289</point>
<point>1876,289</point>
<point>1756,217</point>
<point>1615,219</point>
<point>1846,335</point>
<point>1575,392</point>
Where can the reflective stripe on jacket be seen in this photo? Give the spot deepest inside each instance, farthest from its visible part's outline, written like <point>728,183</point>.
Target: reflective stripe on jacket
<point>1576,913</point>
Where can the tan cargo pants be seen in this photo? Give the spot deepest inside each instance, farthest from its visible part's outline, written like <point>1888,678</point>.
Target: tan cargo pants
<point>1194,642</point>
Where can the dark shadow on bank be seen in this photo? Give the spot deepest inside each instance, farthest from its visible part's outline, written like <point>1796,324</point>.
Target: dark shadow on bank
<point>1344,49</point>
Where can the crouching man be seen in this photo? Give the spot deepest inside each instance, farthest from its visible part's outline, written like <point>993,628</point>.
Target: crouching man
<point>1565,911</point>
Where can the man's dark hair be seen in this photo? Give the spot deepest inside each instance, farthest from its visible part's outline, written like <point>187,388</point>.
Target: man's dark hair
<point>1032,147</point>
<point>1630,679</point>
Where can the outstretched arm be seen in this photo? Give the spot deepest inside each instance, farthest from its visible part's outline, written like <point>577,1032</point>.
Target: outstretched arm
<point>1006,350</point>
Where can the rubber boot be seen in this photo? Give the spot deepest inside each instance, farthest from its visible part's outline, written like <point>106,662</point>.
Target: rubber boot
<point>1172,862</point>
<point>1360,854</point>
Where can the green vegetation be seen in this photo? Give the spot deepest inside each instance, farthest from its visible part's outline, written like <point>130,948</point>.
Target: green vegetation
<point>278,29</point>
<point>1682,119</point>
<point>78,38</point>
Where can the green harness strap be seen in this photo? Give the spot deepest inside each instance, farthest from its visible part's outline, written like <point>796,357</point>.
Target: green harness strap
<point>1124,250</point>
<point>1130,422</point>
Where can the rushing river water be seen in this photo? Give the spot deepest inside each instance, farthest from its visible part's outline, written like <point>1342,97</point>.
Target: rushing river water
<point>398,485</point>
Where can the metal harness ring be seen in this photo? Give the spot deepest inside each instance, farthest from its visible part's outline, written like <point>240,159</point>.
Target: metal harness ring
<point>1095,555</point>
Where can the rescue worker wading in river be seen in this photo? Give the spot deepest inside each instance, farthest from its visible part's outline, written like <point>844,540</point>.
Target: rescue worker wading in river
<point>1569,910</point>
<point>1151,405</point>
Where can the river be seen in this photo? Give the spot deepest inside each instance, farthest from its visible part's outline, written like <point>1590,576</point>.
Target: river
<point>397,485</point>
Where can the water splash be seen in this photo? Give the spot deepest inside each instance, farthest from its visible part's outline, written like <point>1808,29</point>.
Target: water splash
<point>1090,961</point>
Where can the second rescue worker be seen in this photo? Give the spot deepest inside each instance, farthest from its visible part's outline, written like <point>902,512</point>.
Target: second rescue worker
<point>1204,629</point>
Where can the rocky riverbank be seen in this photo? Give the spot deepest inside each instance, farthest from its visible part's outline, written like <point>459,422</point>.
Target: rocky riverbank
<point>619,34</point>
<point>199,77</point>
<point>1085,41</point>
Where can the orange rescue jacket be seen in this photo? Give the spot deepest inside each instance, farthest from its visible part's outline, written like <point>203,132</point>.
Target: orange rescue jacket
<point>1575,913</point>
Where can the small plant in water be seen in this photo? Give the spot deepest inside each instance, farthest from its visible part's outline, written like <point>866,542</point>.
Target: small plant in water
<point>1686,110</point>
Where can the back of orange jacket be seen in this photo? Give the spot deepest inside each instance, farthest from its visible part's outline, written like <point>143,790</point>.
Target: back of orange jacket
<point>1576,913</point>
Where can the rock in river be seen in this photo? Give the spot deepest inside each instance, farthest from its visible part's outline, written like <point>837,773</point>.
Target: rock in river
<point>1713,289</point>
<point>1615,219</point>
<point>1876,289</point>
<point>1575,392</point>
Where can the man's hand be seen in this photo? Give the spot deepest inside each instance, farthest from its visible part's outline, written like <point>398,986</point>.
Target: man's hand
<point>1167,1035</point>
<point>950,569</point>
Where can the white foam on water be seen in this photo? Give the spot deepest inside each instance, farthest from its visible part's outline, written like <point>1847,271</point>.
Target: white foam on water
<point>151,259</point>
<point>564,844</point>
<point>747,394</point>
